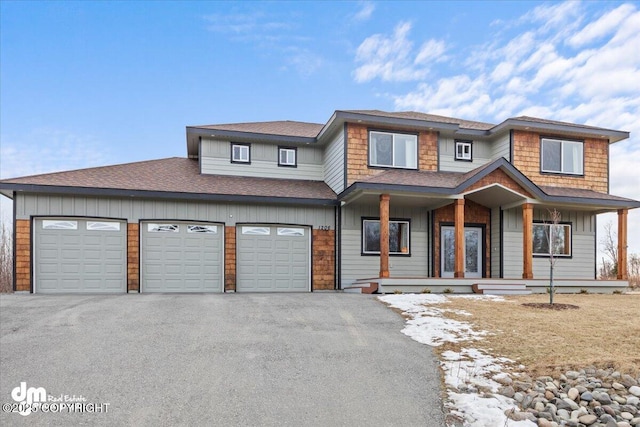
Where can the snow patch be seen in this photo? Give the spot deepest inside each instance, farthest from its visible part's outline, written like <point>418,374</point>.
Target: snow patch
<point>471,374</point>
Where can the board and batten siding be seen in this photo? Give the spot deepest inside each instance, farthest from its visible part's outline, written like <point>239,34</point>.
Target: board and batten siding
<point>133,210</point>
<point>495,243</point>
<point>356,266</point>
<point>334,163</point>
<point>215,159</point>
<point>480,154</point>
<point>580,266</point>
<point>501,147</point>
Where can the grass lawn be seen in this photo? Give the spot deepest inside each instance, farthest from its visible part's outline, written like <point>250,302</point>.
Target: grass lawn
<point>603,332</point>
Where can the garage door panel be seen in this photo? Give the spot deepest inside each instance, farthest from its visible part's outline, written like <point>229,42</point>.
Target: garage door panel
<point>79,260</point>
<point>182,261</point>
<point>265,262</point>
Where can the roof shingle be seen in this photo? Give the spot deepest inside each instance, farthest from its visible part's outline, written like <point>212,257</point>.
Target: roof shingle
<point>178,175</point>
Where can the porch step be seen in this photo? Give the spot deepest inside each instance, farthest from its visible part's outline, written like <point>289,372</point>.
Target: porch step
<point>500,288</point>
<point>362,287</point>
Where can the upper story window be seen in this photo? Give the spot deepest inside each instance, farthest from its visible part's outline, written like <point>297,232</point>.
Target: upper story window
<point>240,153</point>
<point>463,151</point>
<point>560,156</point>
<point>287,156</point>
<point>393,150</point>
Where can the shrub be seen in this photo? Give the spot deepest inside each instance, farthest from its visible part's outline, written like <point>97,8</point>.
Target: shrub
<point>448,291</point>
<point>425,291</point>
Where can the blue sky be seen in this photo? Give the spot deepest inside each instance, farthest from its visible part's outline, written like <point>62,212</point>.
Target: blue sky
<point>93,83</point>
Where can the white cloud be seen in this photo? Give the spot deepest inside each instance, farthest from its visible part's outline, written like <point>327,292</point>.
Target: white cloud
<point>602,27</point>
<point>365,12</point>
<point>392,58</point>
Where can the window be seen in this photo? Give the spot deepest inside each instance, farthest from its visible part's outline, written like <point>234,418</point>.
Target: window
<point>463,151</point>
<point>240,153</point>
<point>287,156</point>
<point>261,231</point>
<point>59,225</point>
<point>103,226</point>
<point>398,237</point>
<point>202,229</point>
<point>163,228</point>
<point>560,156</point>
<point>559,234</point>
<point>290,231</point>
<point>394,150</point>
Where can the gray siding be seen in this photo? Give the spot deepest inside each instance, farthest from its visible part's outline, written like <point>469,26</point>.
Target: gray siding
<point>495,243</point>
<point>215,158</point>
<point>481,154</point>
<point>356,266</point>
<point>580,266</point>
<point>334,163</point>
<point>135,209</point>
<point>501,147</point>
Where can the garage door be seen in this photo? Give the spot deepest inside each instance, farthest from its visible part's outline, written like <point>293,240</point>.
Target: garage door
<point>181,257</point>
<point>80,255</point>
<point>273,259</point>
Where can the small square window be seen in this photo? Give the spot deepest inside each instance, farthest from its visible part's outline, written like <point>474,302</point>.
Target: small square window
<point>240,153</point>
<point>463,151</point>
<point>287,156</point>
<point>552,240</point>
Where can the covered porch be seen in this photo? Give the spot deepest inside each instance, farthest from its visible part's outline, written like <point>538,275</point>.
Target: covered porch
<point>481,232</point>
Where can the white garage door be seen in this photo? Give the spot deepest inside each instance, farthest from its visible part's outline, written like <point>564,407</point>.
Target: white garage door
<point>273,258</point>
<point>80,255</point>
<point>181,257</point>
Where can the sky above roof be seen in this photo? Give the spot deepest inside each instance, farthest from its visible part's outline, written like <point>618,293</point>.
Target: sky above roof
<point>96,83</point>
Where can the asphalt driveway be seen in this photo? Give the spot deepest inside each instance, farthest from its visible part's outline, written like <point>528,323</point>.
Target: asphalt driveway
<point>322,359</point>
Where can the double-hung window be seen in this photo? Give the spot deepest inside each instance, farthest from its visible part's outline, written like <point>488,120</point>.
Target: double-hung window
<point>552,239</point>
<point>240,153</point>
<point>560,156</point>
<point>393,150</point>
<point>398,237</point>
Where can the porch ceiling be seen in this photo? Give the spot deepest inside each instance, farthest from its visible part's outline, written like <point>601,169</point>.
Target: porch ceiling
<point>495,196</point>
<point>402,199</point>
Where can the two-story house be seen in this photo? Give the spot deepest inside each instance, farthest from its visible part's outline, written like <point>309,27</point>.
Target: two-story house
<point>402,200</point>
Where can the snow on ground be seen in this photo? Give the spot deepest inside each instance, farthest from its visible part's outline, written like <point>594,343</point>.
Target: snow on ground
<point>469,374</point>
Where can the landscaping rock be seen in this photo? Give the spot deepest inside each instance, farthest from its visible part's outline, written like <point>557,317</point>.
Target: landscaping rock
<point>573,393</point>
<point>588,419</point>
<point>635,390</point>
<point>507,391</point>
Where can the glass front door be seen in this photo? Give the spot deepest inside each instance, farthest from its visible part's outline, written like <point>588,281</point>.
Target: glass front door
<point>473,254</point>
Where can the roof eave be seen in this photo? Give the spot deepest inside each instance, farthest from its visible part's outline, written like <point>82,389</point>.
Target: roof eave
<point>150,194</point>
<point>611,135</point>
<point>195,133</point>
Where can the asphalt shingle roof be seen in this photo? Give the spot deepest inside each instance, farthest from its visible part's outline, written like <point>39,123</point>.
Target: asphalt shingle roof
<point>178,175</point>
<point>466,124</point>
<point>283,127</point>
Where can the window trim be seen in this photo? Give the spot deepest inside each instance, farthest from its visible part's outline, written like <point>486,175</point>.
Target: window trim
<point>378,166</point>
<point>561,223</point>
<point>238,144</point>
<point>561,141</point>
<point>463,143</point>
<point>295,157</point>
<point>372,219</point>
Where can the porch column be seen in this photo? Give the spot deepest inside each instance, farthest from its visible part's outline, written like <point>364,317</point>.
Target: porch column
<point>384,235</point>
<point>622,244</point>
<point>527,241</point>
<point>458,266</point>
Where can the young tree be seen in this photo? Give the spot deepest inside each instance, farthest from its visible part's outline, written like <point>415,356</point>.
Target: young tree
<point>554,234</point>
<point>6,260</point>
<point>609,242</point>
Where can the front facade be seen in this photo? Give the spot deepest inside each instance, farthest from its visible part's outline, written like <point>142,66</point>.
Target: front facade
<point>402,200</point>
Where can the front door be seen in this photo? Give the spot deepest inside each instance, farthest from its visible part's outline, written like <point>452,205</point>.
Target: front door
<point>473,253</point>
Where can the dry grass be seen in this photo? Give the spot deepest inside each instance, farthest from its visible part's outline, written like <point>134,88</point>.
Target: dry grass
<point>604,332</point>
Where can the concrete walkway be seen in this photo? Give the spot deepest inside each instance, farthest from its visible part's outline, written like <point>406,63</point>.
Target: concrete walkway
<point>322,359</point>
